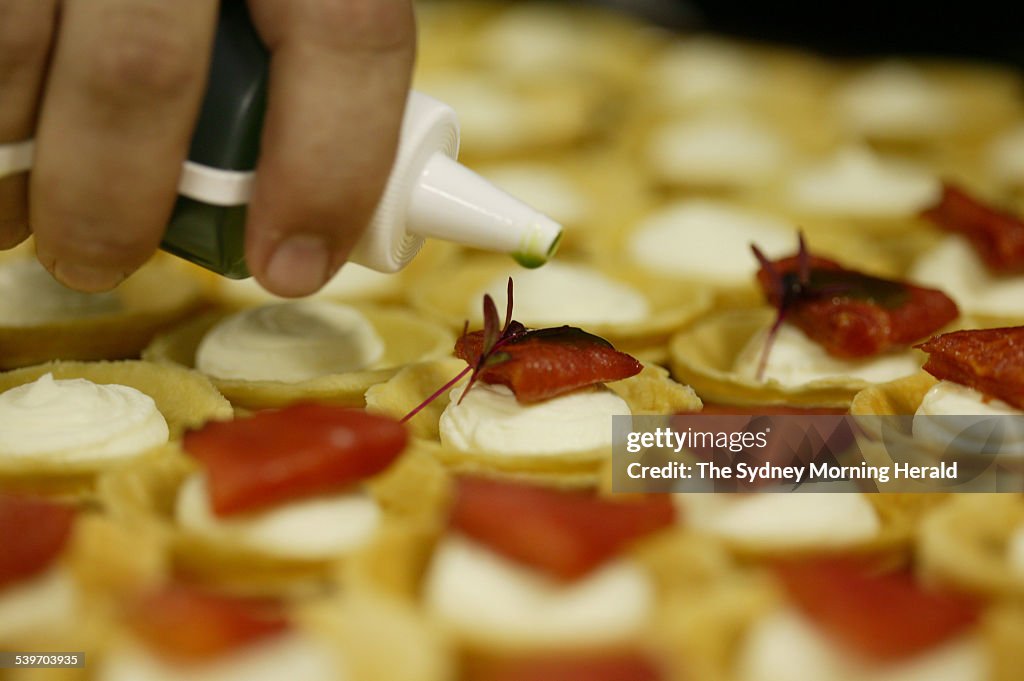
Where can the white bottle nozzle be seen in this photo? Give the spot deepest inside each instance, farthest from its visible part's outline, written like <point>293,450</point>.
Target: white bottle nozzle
<point>430,194</point>
<point>453,203</point>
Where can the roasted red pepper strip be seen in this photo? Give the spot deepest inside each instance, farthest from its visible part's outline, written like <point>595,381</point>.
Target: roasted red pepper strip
<point>883,617</point>
<point>989,360</point>
<point>997,236</point>
<point>298,451</point>
<point>851,314</point>
<point>545,363</point>
<point>186,624</point>
<point>563,533</point>
<point>34,532</point>
<point>596,666</point>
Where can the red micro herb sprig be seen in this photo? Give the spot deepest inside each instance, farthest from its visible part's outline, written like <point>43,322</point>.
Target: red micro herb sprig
<point>850,314</point>
<point>495,337</point>
<point>788,289</point>
<point>535,364</point>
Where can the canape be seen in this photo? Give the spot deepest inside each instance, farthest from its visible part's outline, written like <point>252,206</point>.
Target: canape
<point>67,422</point>
<point>285,352</point>
<point>42,320</point>
<point>835,331</point>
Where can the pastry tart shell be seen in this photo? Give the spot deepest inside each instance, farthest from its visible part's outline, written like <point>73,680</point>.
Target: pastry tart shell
<point>898,516</point>
<point>900,397</point>
<point>649,392</point>
<point>379,637</point>
<point>671,307</point>
<point>185,398</point>
<point>744,293</point>
<point>157,296</point>
<point>964,545</point>
<point>703,355</point>
<point>407,338</point>
<point>411,495</point>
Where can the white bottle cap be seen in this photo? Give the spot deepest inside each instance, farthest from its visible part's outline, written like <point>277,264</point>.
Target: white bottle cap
<point>429,194</point>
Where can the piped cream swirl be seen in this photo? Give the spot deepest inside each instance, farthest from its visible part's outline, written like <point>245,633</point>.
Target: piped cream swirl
<point>491,419</point>
<point>564,293</point>
<point>715,151</point>
<point>796,360</point>
<point>955,267</point>
<point>293,655</point>
<point>895,101</point>
<point>315,528</point>
<point>858,183</point>
<point>480,594</point>
<point>702,238</point>
<point>808,520</point>
<point>290,342</point>
<point>954,418</point>
<point>76,420</point>
<point>787,646</point>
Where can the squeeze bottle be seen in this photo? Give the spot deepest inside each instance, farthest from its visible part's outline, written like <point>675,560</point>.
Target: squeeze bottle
<point>429,194</point>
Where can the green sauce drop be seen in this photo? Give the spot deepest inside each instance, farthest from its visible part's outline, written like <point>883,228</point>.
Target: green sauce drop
<point>532,260</point>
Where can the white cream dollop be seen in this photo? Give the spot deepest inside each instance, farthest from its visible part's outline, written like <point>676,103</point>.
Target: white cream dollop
<point>955,267</point>
<point>786,646</point>
<point>704,71</point>
<point>485,596</point>
<point>796,360</point>
<point>707,239</point>
<point>793,521</point>
<point>78,421</point>
<point>946,398</point>
<point>290,342</point>
<point>490,419</point>
<point>29,295</point>
<point>563,293</point>
<point>954,418</point>
<point>715,151</point>
<point>895,101</point>
<point>289,656</point>
<point>316,528</point>
<point>858,183</point>
<point>37,605</point>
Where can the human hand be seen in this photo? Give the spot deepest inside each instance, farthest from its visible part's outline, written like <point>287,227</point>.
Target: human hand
<point>111,92</point>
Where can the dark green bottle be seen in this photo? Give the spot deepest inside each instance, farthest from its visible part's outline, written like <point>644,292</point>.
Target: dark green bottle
<point>209,229</point>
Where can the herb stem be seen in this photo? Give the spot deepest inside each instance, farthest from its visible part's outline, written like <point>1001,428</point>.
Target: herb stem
<point>437,393</point>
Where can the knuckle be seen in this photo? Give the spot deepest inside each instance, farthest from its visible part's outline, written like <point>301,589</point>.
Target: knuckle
<point>142,53</point>
<point>371,25</point>
<point>89,240</point>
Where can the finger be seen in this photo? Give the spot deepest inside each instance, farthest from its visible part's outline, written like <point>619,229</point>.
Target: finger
<point>26,28</point>
<point>339,77</point>
<point>124,89</point>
